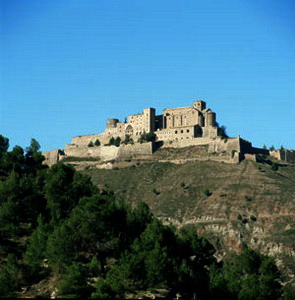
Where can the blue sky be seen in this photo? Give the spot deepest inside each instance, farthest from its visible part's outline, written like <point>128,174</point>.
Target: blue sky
<point>66,66</point>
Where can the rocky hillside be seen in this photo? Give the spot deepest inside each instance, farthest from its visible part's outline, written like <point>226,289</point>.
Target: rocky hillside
<point>235,205</point>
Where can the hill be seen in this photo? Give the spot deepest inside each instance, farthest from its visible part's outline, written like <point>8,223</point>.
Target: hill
<point>234,205</point>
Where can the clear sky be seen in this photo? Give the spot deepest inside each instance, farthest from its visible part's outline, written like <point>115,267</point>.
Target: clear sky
<point>67,66</point>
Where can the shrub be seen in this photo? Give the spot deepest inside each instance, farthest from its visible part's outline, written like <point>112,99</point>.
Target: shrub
<point>182,184</point>
<point>74,282</point>
<point>97,143</point>
<point>155,191</point>
<point>233,153</point>
<point>207,193</point>
<point>239,217</point>
<point>274,166</point>
<point>90,144</point>
<point>115,141</point>
<point>147,137</point>
<point>128,140</point>
<point>247,198</point>
<point>253,218</point>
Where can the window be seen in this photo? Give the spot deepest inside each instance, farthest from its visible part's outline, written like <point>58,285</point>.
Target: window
<point>187,130</point>
<point>176,131</point>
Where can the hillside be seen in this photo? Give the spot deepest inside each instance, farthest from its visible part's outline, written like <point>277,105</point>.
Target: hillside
<point>235,205</point>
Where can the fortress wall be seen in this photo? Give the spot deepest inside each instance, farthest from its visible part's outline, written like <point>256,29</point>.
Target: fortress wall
<point>72,150</point>
<point>51,157</point>
<point>186,143</point>
<point>287,155</point>
<point>225,145</point>
<point>108,152</point>
<point>276,154</point>
<point>259,151</point>
<point>136,149</point>
<point>103,152</point>
<point>209,132</point>
<point>246,146</point>
<point>84,140</point>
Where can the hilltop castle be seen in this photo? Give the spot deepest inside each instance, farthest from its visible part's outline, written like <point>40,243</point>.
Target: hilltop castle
<point>175,128</point>
<point>181,123</point>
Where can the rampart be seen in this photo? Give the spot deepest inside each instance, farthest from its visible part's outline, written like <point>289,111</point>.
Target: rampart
<point>284,155</point>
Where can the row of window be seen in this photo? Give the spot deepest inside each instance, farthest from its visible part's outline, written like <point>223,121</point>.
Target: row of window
<point>181,131</point>
<point>176,131</point>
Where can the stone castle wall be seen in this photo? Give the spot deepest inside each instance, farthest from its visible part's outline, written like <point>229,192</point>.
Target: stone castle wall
<point>284,155</point>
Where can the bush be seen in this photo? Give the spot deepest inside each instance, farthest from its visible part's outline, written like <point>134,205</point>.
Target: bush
<point>10,277</point>
<point>274,167</point>
<point>247,198</point>
<point>233,153</point>
<point>97,143</point>
<point>74,282</point>
<point>90,144</point>
<point>155,191</point>
<point>253,218</point>
<point>128,140</point>
<point>147,137</point>
<point>239,217</point>
<point>207,193</point>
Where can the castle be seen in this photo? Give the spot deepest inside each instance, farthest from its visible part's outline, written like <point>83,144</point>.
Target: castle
<point>175,124</point>
<point>178,127</point>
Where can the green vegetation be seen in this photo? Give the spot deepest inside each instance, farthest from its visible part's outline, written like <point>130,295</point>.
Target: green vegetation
<point>114,141</point>
<point>247,198</point>
<point>55,223</point>
<point>147,137</point>
<point>274,166</point>
<point>253,218</point>
<point>97,143</point>
<point>128,140</point>
<point>90,144</point>
<point>207,193</point>
<point>233,153</point>
<point>221,131</point>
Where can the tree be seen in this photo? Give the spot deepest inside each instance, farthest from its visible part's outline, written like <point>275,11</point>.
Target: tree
<point>62,247</point>
<point>100,223</point>
<point>147,137</point>
<point>34,158</point>
<point>90,144</point>
<point>36,248</point>
<point>221,131</point>
<point>74,282</point>
<point>4,145</point>
<point>249,275</point>
<point>128,139</point>
<point>64,188</point>
<point>10,277</point>
<point>97,143</point>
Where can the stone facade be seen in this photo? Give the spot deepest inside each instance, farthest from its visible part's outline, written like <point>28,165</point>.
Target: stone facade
<point>182,123</point>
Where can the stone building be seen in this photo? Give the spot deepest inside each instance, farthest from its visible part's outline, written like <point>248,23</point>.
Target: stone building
<point>181,123</point>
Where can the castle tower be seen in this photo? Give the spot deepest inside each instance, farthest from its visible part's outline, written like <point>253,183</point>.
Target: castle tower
<point>199,105</point>
<point>210,119</point>
<point>112,123</point>
<point>149,119</point>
